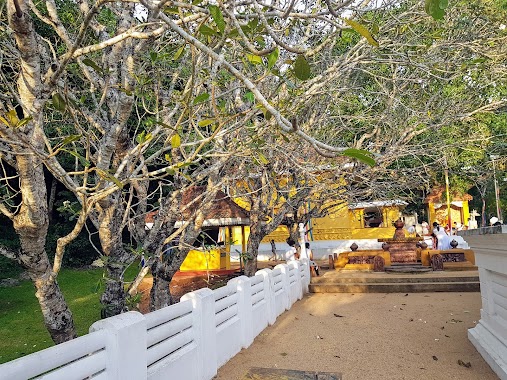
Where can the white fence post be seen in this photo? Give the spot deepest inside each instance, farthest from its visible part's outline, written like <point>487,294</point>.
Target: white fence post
<point>203,303</point>
<point>244,290</point>
<point>299,279</point>
<point>126,345</point>
<point>285,282</point>
<point>305,274</point>
<point>269,294</point>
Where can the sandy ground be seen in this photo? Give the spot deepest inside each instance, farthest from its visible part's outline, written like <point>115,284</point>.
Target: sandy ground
<point>371,337</point>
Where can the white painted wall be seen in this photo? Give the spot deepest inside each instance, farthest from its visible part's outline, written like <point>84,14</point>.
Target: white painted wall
<point>186,341</point>
<point>323,248</point>
<point>489,336</point>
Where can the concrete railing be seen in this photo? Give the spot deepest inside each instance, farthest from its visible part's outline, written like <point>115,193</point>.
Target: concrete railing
<point>186,341</point>
<point>489,336</point>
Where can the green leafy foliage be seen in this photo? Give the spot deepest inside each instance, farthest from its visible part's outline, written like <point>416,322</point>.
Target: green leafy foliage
<point>249,96</point>
<point>178,53</point>
<point>93,65</point>
<point>273,57</point>
<point>201,98</point>
<point>362,31</point>
<point>59,102</point>
<point>302,68</point>
<point>218,17</point>
<point>361,155</point>
<point>175,141</point>
<point>205,30</point>
<point>436,8</point>
<point>205,122</point>
<point>254,59</point>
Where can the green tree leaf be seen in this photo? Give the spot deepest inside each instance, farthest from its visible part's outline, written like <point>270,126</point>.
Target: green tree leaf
<point>302,68</point>
<point>175,141</point>
<point>249,96</point>
<point>436,8</point>
<point>362,31</point>
<point>217,16</point>
<point>273,57</point>
<point>201,98</point>
<point>205,122</point>
<point>360,155</point>
<point>93,65</point>
<point>263,159</point>
<point>109,177</point>
<point>81,159</point>
<point>59,102</point>
<point>69,139</point>
<point>207,31</point>
<point>24,121</point>
<point>13,118</point>
<point>254,59</point>
<point>178,53</point>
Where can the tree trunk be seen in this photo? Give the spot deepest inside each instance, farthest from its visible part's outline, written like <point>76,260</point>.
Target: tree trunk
<point>483,213</point>
<point>113,299</point>
<point>31,225</point>
<point>51,201</point>
<point>57,316</point>
<point>252,247</point>
<point>110,234</point>
<point>294,232</point>
<point>160,295</point>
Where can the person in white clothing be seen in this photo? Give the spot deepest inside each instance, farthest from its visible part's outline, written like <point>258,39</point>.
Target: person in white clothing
<point>442,237</point>
<point>290,255</point>
<point>313,264</point>
<point>425,228</point>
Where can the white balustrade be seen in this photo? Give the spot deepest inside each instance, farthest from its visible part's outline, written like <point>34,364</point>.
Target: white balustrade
<point>186,341</point>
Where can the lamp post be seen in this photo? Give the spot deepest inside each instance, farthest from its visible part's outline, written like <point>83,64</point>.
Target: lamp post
<point>497,192</point>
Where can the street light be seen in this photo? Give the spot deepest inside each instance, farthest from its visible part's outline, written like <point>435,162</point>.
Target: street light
<point>497,192</point>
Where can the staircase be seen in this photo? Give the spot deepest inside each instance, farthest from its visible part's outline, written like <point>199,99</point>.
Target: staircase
<point>361,282</point>
<point>407,268</point>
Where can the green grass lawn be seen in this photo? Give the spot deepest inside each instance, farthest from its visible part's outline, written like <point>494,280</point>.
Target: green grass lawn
<point>22,328</point>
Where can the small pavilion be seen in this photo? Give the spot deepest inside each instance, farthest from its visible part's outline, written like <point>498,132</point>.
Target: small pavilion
<point>213,247</point>
<point>437,207</point>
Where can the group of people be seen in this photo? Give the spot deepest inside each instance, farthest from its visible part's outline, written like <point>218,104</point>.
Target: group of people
<point>294,254</point>
<point>440,235</point>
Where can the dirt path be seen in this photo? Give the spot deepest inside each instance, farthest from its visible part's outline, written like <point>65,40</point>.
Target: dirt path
<point>371,337</point>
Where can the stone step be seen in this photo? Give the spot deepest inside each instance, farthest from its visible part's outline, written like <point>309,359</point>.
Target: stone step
<point>402,287</point>
<point>460,266</point>
<point>407,269</point>
<point>383,279</point>
<point>416,264</point>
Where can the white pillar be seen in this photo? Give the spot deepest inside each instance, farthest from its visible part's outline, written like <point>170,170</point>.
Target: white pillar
<point>126,345</point>
<point>305,275</point>
<point>284,268</point>
<point>244,291</point>
<point>269,294</point>
<point>203,302</point>
<point>302,241</point>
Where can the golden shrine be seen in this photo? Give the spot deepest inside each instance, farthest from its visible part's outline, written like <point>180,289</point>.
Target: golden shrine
<point>437,207</point>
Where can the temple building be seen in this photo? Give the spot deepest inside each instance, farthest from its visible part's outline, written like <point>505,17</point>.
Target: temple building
<point>213,247</point>
<point>437,207</point>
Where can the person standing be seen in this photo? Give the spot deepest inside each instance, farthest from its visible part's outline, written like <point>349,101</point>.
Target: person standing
<point>290,255</point>
<point>313,264</point>
<point>425,228</point>
<point>273,250</point>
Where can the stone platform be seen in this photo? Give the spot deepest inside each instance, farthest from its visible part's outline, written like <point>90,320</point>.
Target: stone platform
<point>380,282</point>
